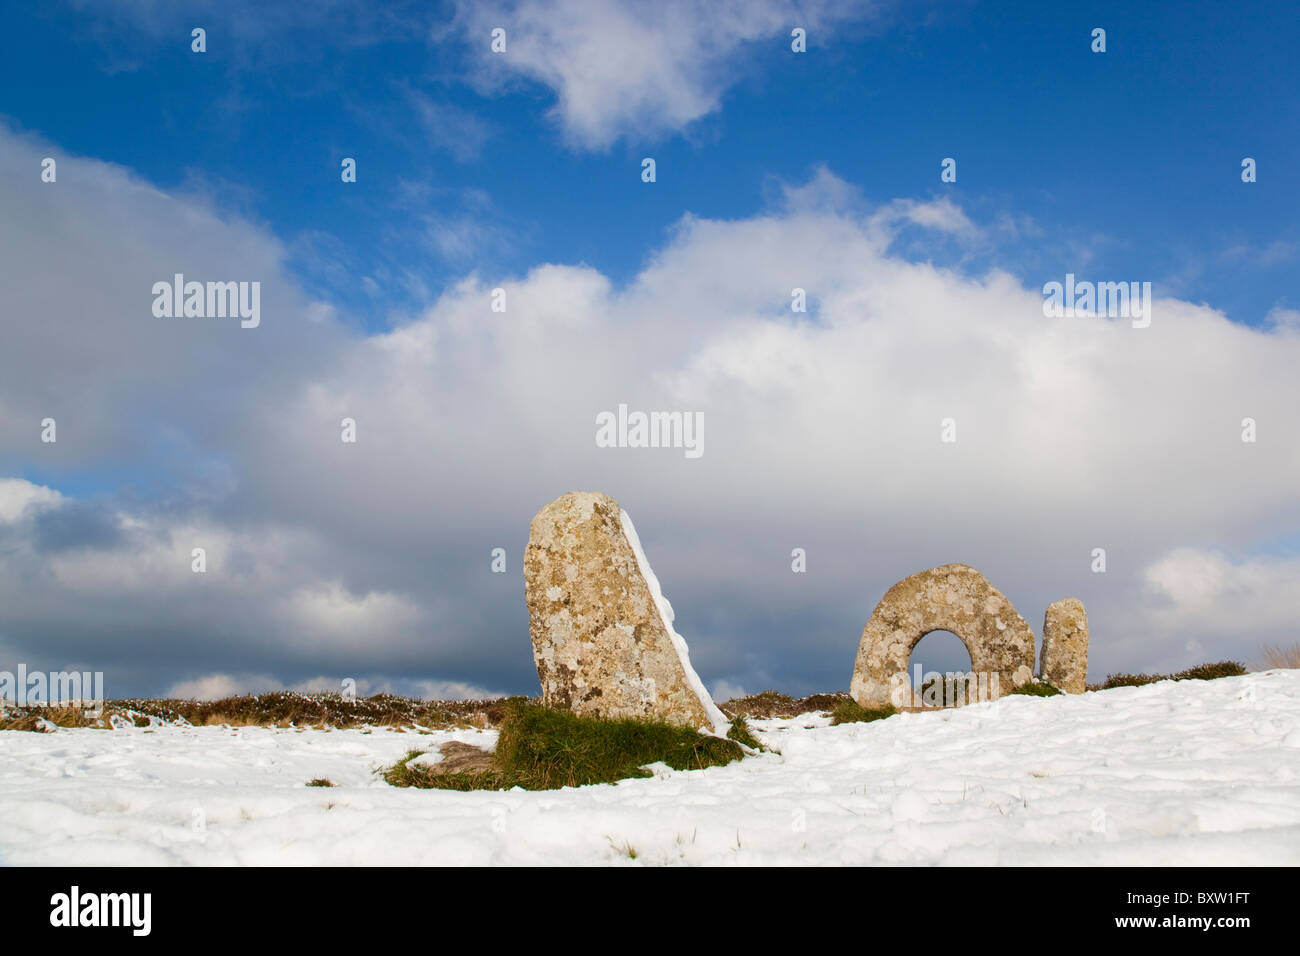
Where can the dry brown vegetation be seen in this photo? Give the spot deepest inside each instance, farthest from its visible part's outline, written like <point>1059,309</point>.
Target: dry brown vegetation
<point>771,703</point>
<point>275,709</point>
<point>1274,656</point>
<point>30,718</point>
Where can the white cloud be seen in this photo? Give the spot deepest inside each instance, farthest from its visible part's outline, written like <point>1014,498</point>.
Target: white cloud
<point>452,690</point>
<point>17,495</point>
<point>329,615</point>
<point>1283,318</point>
<point>942,215</point>
<point>1206,592</point>
<point>724,690</point>
<point>640,68</point>
<point>219,686</point>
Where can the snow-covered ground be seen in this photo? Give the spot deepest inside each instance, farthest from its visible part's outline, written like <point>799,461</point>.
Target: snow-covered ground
<point>1192,772</point>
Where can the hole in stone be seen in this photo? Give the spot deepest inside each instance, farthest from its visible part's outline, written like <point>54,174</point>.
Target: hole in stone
<point>937,655</point>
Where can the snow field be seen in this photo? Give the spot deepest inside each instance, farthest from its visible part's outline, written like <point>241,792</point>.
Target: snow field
<point>1195,772</point>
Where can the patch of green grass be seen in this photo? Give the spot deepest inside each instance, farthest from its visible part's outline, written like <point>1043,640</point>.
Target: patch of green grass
<point>320,782</point>
<point>851,712</point>
<point>543,749</point>
<point>1199,672</point>
<point>1036,689</point>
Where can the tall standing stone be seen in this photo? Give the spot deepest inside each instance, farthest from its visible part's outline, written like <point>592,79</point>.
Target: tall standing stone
<point>1064,663</point>
<point>602,630</point>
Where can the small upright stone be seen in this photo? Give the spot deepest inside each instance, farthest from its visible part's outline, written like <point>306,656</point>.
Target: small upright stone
<point>602,630</point>
<point>1064,664</point>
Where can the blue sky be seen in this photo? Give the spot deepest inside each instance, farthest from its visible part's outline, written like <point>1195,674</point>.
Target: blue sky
<point>1135,152</point>
<point>522,170</point>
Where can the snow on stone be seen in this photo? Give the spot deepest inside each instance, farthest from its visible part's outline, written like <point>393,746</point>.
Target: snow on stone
<point>720,723</point>
<point>1194,772</point>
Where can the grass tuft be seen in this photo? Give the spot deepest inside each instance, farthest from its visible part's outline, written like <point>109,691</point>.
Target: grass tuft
<point>1211,671</point>
<point>1036,688</point>
<point>1131,680</point>
<point>320,782</point>
<point>851,712</point>
<point>742,735</point>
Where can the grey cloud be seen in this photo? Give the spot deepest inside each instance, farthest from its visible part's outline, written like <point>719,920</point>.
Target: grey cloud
<point>75,525</point>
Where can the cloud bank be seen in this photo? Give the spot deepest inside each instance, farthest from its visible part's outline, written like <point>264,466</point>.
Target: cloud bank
<point>372,560</point>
